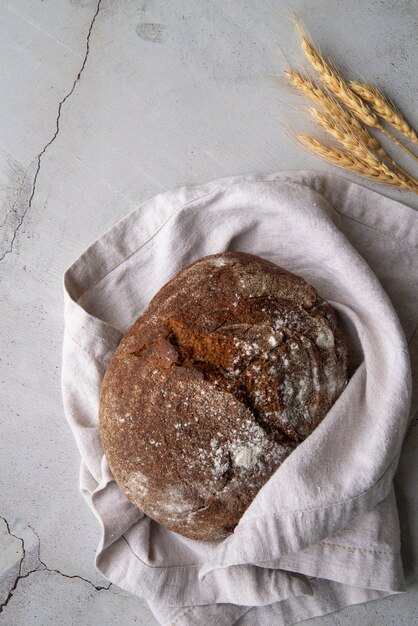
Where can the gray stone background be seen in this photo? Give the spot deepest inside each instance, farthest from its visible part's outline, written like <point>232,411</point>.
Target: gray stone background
<point>103,104</point>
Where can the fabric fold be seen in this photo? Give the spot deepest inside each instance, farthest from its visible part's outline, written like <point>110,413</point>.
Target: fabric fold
<point>323,532</point>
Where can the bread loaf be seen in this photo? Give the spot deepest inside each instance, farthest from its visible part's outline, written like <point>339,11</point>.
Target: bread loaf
<point>232,365</point>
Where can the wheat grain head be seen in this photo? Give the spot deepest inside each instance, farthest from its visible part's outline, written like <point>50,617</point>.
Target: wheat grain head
<point>304,85</point>
<point>334,81</point>
<point>336,128</point>
<point>384,108</point>
<point>368,166</point>
<point>342,124</point>
<point>333,108</point>
<point>362,144</point>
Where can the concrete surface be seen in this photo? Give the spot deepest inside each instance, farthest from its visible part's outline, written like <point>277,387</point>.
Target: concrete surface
<point>105,103</point>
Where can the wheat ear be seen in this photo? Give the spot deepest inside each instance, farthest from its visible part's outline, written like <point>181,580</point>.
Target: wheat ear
<point>336,83</point>
<point>342,91</point>
<point>338,121</point>
<point>384,108</point>
<point>359,142</point>
<point>370,167</point>
<point>330,104</point>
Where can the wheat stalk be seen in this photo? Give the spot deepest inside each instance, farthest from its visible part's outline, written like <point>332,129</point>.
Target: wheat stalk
<point>305,85</point>
<point>359,141</point>
<point>336,83</point>
<point>367,165</point>
<point>384,108</point>
<point>338,130</point>
<point>342,91</point>
<point>330,104</point>
<point>339,122</point>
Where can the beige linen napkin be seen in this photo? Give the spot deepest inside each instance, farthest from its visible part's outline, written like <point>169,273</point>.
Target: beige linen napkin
<point>323,532</point>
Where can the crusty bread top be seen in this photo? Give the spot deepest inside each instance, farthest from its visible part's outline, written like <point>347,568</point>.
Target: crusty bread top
<point>234,362</point>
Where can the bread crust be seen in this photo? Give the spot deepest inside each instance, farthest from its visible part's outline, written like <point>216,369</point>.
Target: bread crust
<point>234,362</point>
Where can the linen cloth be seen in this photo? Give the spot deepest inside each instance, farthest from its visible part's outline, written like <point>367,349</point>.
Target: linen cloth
<point>323,531</point>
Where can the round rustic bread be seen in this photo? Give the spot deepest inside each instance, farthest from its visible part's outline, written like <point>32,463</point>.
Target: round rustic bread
<point>233,364</point>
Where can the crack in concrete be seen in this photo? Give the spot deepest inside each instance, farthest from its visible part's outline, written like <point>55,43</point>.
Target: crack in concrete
<point>40,155</point>
<point>10,594</point>
<point>19,573</point>
<point>13,535</point>
<point>48,569</point>
<point>57,571</point>
<point>19,576</point>
<point>44,567</point>
<point>39,544</point>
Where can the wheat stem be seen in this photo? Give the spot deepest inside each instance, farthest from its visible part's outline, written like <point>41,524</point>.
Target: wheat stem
<point>398,142</point>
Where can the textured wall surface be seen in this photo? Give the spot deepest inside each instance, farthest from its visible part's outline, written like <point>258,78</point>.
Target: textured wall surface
<point>103,104</point>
